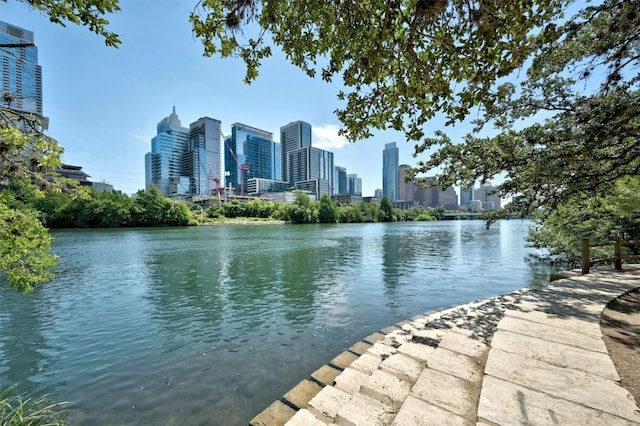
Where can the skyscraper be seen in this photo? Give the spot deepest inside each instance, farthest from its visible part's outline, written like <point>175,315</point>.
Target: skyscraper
<point>466,195</point>
<point>390,164</point>
<point>163,165</point>
<point>355,185</point>
<point>341,186</point>
<point>293,136</point>
<point>311,169</point>
<point>406,189</point>
<point>20,73</point>
<point>202,159</point>
<point>252,156</point>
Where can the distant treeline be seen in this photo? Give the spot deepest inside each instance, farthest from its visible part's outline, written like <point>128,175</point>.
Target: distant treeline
<point>86,208</point>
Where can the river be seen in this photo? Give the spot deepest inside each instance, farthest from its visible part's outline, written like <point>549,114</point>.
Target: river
<point>209,325</point>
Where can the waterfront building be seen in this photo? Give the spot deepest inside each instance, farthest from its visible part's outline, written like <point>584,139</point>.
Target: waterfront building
<point>293,136</point>
<point>202,157</point>
<point>406,189</point>
<point>249,153</point>
<point>311,169</point>
<point>390,164</point>
<point>341,186</point>
<point>20,73</point>
<point>466,196</point>
<point>432,196</point>
<point>259,186</point>
<point>488,196</point>
<point>354,184</point>
<point>164,164</point>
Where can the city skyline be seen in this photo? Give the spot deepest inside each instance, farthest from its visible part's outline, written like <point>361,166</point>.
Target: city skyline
<point>104,103</point>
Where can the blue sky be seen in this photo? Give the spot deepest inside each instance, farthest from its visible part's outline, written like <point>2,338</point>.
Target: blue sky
<point>104,103</point>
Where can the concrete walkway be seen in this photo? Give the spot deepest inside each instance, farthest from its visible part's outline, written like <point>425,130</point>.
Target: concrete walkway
<point>532,357</point>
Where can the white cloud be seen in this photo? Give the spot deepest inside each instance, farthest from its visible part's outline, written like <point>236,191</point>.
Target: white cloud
<point>326,137</point>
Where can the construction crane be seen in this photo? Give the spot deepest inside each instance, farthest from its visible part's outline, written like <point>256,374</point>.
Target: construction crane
<point>244,167</point>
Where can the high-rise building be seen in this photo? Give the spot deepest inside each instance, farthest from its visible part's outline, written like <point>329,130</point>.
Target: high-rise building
<point>354,184</point>
<point>430,195</point>
<point>466,195</point>
<point>487,196</point>
<point>253,155</point>
<point>164,164</point>
<point>390,164</point>
<point>311,169</point>
<point>406,189</point>
<point>202,157</point>
<point>341,186</point>
<point>20,73</point>
<point>293,136</point>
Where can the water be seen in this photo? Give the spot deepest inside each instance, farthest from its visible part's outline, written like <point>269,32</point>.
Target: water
<point>210,325</point>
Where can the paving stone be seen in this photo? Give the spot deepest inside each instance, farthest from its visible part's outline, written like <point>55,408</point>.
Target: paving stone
<point>362,410</point>
<point>305,418</point>
<point>415,412</point>
<point>403,366</point>
<point>578,321</point>
<point>506,403</point>
<point>326,404</point>
<point>276,414</point>
<point>389,329</point>
<point>449,392</point>
<point>416,350</point>
<point>350,380</point>
<point>558,354</point>
<point>386,388</point>
<point>382,350</point>
<point>360,347</point>
<point>430,333</point>
<point>517,322</point>
<point>302,393</point>
<point>457,342</point>
<point>344,359</point>
<point>457,364</point>
<point>367,363</point>
<point>373,338</point>
<point>325,374</point>
<point>397,338</point>
<point>573,385</point>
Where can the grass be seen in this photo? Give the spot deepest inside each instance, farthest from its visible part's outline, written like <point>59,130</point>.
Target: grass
<point>20,410</point>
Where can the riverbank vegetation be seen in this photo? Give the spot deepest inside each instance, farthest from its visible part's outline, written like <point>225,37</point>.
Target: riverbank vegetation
<point>18,409</point>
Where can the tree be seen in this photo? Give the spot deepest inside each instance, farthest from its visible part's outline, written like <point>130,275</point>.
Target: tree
<point>29,158</point>
<point>387,210</point>
<point>328,211</point>
<point>561,92</point>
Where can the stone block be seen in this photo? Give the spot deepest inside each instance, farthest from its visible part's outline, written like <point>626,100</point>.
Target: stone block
<point>460,343</point>
<point>451,393</point>
<point>367,363</point>
<point>326,404</point>
<point>558,354</point>
<point>350,380</point>
<point>302,393</point>
<point>403,366</point>
<point>415,412</point>
<point>361,410</point>
<point>573,385</point>
<point>305,418</point>
<point>387,388</point>
<point>518,322</point>
<point>276,414</point>
<point>344,359</point>
<point>457,364</point>
<point>506,403</point>
<point>360,347</point>
<point>416,350</point>
<point>389,329</point>
<point>325,375</point>
<point>373,338</point>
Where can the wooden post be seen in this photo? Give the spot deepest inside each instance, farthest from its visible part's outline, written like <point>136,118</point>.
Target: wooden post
<point>586,256</point>
<point>618,254</point>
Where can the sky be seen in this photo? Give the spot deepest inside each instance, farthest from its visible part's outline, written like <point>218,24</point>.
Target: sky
<point>104,103</point>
